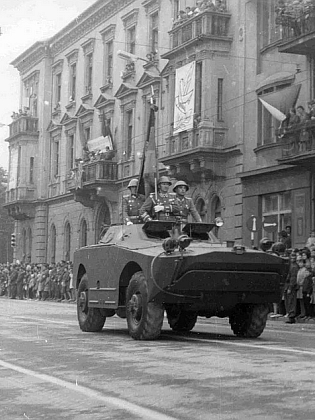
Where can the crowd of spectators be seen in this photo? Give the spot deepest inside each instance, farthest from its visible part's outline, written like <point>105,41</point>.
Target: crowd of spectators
<point>298,298</point>
<point>37,281</point>
<point>201,6</point>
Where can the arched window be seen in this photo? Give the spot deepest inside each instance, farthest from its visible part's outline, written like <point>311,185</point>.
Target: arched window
<point>53,244</point>
<point>67,248</point>
<point>83,233</point>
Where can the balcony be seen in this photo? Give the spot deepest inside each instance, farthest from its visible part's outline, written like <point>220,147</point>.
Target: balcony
<point>198,153</point>
<point>20,203</point>
<point>298,145</point>
<point>96,179</point>
<point>208,25</point>
<point>23,125</point>
<point>298,30</point>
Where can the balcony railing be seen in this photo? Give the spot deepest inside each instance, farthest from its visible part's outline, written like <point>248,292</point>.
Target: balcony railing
<point>208,138</point>
<point>100,170</point>
<point>296,23</point>
<point>24,125</point>
<point>297,140</point>
<point>208,24</point>
<point>20,194</point>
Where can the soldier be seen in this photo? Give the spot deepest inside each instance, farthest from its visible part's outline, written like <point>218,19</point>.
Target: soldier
<point>132,204</point>
<point>162,207</point>
<point>185,204</point>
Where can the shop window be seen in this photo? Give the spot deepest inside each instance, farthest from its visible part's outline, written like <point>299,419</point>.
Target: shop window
<point>280,207</point>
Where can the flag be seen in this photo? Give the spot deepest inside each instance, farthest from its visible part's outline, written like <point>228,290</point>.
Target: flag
<point>82,133</point>
<point>281,100</point>
<point>148,170</point>
<point>280,116</point>
<point>107,134</point>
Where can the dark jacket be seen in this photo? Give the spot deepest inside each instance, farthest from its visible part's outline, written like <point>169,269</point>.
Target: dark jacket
<point>290,282</point>
<point>308,285</point>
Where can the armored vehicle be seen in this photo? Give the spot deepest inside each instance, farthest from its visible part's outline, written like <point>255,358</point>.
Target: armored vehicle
<point>139,272</point>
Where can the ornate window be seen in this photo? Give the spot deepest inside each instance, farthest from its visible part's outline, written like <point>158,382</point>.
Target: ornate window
<point>279,207</point>
<point>30,93</point>
<point>53,237</point>
<point>88,50</point>
<point>72,58</point>
<point>108,35</point>
<point>57,84</point>
<point>83,233</point>
<point>130,23</point>
<point>55,157</point>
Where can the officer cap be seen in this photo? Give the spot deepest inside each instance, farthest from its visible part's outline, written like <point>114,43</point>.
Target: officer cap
<point>180,184</point>
<point>164,179</point>
<point>133,183</point>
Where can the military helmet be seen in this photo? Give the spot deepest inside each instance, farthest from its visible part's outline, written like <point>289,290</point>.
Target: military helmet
<point>278,248</point>
<point>164,179</point>
<point>265,244</point>
<point>133,183</point>
<point>180,184</point>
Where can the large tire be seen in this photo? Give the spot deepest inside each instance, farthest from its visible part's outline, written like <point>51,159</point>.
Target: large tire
<point>181,320</point>
<point>90,319</point>
<point>144,318</point>
<point>249,321</point>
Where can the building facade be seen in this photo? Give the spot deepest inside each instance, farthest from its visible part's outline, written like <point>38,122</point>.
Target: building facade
<point>207,71</point>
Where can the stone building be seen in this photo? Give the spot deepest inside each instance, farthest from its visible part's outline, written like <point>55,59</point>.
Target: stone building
<point>207,70</point>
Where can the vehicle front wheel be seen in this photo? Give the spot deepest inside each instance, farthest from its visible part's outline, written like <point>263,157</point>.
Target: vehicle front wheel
<point>144,318</point>
<point>90,319</point>
<point>181,320</point>
<point>249,321</point>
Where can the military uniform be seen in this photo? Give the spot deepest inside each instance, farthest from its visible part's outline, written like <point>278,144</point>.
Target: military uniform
<point>187,207</point>
<point>171,209</point>
<point>131,208</point>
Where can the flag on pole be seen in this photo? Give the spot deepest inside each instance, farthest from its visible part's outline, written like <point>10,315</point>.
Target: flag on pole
<point>278,103</point>
<point>106,132</point>
<point>149,165</point>
<point>280,116</point>
<point>82,134</point>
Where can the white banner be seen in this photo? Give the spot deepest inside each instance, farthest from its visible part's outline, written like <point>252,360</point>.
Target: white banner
<point>184,98</point>
<point>14,159</point>
<point>99,144</point>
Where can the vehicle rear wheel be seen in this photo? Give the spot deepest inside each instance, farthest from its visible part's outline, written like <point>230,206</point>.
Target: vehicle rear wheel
<point>181,320</point>
<point>90,319</point>
<point>249,321</point>
<point>144,318</point>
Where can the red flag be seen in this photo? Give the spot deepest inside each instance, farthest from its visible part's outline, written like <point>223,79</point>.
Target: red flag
<point>148,170</point>
<point>106,132</point>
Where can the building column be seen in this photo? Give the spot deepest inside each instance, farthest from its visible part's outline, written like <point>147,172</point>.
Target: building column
<point>40,234</point>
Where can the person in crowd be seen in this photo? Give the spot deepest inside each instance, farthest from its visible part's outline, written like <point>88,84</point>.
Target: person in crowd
<point>186,205</point>
<point>162,206</point>
<point>65,284</point>
<point>307,290</point>
<point>46,291</point>
<point>312,301</point>
<point>13,282</point>
<point>290,289</point>
<point>302,274</point>
<point>294,119</point>
<point>20,282</point>
<point>310,240</point>
<point>132,204</point>
<point>302,114</point>
<point>285,239</point>
<point>71,284</point>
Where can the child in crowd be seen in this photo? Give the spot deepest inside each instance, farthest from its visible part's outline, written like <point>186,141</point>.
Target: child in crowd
<point>301,276</point>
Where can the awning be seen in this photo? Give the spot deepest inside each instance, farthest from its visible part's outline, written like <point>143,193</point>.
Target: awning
<point>281,100</point>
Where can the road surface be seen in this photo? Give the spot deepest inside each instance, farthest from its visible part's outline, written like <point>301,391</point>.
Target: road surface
<point>49,369</point>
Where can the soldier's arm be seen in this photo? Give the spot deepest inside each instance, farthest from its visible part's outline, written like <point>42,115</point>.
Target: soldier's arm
<point>194,212</point>
<point>146,210</point>
<point>125,210</point>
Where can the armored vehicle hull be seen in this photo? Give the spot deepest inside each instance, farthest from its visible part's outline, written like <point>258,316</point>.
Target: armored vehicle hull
<point>140,271</point>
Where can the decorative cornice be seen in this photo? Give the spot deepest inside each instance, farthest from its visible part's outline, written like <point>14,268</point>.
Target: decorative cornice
<point>72,56</point>
<point>130,18</point>
<point>34,75</point>
<point>108,33</point>
<point>57,66</point>
<point>148,78</point>
<point>151,6</point>
<point>125,89</point>
<point>93,17</point>
<point>84,110</point>
<point>32,56</point>
<point>88,46</point>
<point>54,127</point>
<point>104,101</point>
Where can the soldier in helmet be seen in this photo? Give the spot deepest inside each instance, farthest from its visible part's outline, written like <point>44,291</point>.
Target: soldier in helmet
<point>185,204</point>
<point>163,206</point>
<point>132,204</point>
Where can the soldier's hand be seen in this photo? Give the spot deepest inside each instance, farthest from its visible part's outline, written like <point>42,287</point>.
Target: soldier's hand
<point>158,208</point>
<point>129,223</point>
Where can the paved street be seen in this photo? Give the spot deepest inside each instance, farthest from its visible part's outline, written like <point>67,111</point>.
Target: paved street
<point>51,370</point>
